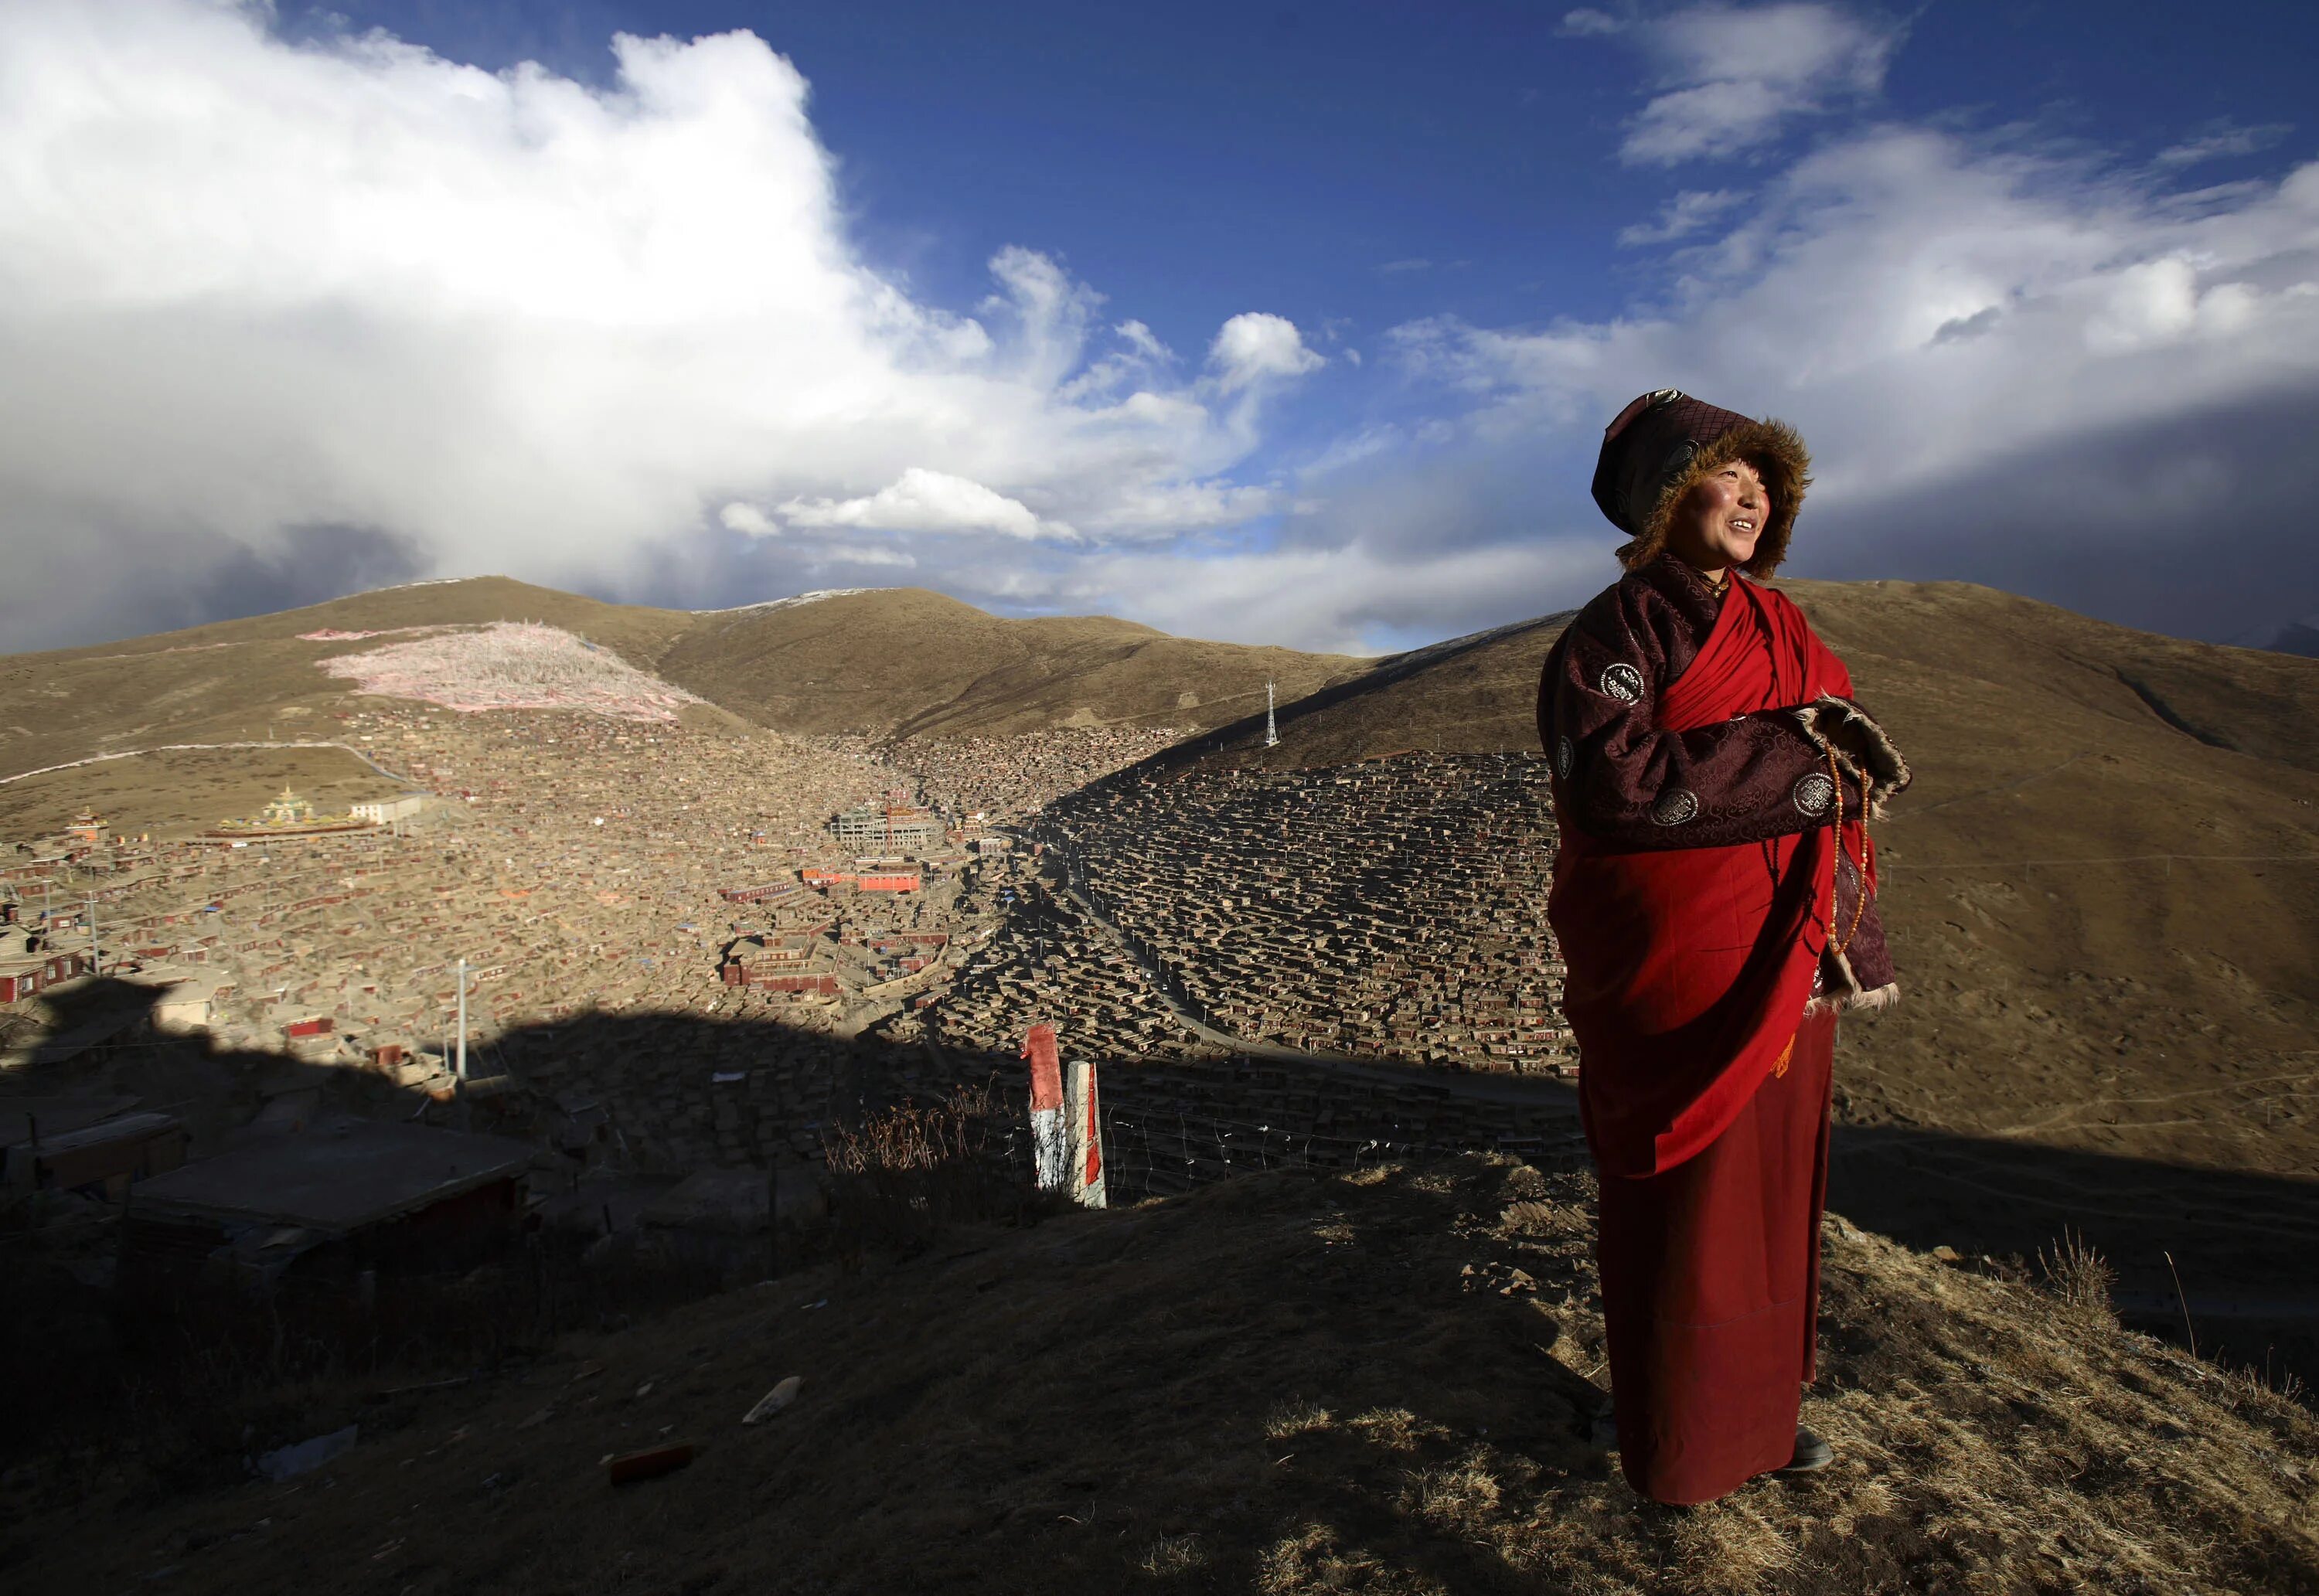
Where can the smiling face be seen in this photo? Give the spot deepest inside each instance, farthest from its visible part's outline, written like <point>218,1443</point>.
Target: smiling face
<point>1716,525</point>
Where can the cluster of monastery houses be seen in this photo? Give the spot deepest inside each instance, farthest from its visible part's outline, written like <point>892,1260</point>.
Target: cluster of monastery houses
<point>581,869</point>
<point>672,938</point>
<point>990,780</point>
<point>1392,908</point>
<point>1047,961</point>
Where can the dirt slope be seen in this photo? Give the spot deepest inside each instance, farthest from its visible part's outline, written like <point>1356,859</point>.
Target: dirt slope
<point>906,662</point>
<point>1283,1383</point>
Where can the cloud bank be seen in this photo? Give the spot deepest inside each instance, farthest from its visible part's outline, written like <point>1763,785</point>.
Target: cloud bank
<point>1939,316</point>
<point>348,310</point>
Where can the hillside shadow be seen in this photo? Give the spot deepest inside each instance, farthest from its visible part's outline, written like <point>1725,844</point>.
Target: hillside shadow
<point>2239,1243</point>
<point>2219,1255</point>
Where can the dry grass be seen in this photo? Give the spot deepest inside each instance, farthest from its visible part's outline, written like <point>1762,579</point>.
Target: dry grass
<point>226,680</point>
<point>1294,1418</point>
<point>1731,1549</point>
<point>1173,1554</point>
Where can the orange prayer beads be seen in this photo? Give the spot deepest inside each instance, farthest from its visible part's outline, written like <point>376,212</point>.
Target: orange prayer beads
<point>1859,908</point>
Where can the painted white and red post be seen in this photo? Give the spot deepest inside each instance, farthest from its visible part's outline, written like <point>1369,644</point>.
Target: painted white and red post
<point>1086,1137</point>
<point>1050,1137</point>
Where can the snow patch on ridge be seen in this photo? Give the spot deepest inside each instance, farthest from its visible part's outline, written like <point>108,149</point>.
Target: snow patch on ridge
<point>788,603</point>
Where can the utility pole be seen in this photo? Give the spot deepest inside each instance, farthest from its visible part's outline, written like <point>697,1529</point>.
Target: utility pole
<point>463,1019</point>
<point>96,955</point>
<point>1271,731</point>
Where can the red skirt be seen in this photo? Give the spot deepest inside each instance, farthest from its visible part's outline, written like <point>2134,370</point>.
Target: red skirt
<point>1711,1289</point>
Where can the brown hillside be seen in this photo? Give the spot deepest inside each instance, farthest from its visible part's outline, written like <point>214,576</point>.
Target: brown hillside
<point>2103,892</point>
<point>897,662</point>
<point>1470,695</point>
<point>228,680</point>
<point>905,662</point>
<point>1285,1383</point>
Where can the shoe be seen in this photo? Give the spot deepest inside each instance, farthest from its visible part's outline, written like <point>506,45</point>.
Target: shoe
<point>1812,1455</point>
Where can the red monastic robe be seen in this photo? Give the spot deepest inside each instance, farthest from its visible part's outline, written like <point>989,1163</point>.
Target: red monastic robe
<point>1705,1091</point>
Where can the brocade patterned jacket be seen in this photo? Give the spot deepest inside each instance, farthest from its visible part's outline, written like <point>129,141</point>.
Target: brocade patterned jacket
<point>1629,785</point>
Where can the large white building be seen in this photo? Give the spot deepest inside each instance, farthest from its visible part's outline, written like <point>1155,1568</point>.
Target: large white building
<point>381,811</point>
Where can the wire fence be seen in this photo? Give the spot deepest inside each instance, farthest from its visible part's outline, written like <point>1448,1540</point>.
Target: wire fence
<point>1161,1154</point>
<point>1154,1152</point>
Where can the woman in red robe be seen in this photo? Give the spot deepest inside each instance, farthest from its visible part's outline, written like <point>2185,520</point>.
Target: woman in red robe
<point>1713,895</point>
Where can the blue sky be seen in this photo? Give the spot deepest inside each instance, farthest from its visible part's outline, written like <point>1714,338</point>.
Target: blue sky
<point>1291,324</point>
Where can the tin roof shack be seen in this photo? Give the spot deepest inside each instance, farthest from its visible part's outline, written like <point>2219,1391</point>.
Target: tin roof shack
<point>106,1157</point>
<point>323,1206</point>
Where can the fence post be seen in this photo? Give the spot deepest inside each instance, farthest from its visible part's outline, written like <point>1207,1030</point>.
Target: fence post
<point>1086,1137</point>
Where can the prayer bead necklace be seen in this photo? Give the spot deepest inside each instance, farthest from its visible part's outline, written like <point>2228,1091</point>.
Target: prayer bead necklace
<point>1860,907</point>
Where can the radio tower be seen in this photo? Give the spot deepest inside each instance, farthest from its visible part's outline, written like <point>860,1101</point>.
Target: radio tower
<point>1271,732</point>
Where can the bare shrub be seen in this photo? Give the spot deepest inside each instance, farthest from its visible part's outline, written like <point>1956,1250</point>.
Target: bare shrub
<point>898,1176</point>
<point>2081,1278</point>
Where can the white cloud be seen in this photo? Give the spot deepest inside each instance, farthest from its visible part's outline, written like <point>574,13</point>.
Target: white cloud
<point>748,521</point>
<point>1254,346</point>
<point>1923,303</point>
<point>1938,314</point>
<point>1586,22</point>
<point>1358,599</point>
<point>1196,506</point>
<point>506,321</point>
<point>821,556</point>
<point>1729,76</point>
<point>1144,342</point>
<point>2220,141</point>
<point>1369,442</point>
<point>1682,216</point>
<point>283,321</point>
<point>923,501</point>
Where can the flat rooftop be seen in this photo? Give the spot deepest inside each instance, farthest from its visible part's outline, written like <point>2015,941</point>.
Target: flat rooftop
<point>54,1116</point>
<point>336,1175</point>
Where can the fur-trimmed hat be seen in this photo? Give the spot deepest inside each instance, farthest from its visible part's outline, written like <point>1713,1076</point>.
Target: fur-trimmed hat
<point>1665,442</point>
